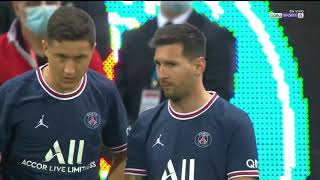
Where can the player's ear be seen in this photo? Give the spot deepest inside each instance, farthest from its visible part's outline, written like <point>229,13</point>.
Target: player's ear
<point>44,46</point>
<point>94,46</point>
<point>200,65</point>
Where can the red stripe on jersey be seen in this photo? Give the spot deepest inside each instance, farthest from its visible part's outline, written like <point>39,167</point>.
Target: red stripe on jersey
<point>249,173</point>
<point>133,171</point>
<point>53,93</point>
<point>195,113</point>
<point>118,149</point>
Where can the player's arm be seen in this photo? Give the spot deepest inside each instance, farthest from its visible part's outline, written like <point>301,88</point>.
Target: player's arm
<point>132,177</point>
<point>5,127</point>
<point>114,134</point>
<point>118,163</point>
<point>242,149</point>
<point>136,166</point>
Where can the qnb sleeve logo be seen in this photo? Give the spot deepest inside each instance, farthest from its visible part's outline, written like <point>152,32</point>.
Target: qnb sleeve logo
<point>252,163</point>
<point>55,154</point>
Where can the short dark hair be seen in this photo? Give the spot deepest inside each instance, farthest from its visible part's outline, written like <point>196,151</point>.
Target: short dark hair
<point>192,40</point>
<point>70,23</point>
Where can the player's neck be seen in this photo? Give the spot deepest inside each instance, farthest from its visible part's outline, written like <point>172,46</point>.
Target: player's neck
<point>192,102</point>
<point>48,78</point>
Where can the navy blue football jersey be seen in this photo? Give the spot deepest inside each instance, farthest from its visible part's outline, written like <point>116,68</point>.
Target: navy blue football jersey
<point>215,142</point>
<point>46,135</point>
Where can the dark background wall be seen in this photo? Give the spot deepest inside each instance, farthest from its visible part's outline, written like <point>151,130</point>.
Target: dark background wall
<point>97,11</point>
<point>6,16</point>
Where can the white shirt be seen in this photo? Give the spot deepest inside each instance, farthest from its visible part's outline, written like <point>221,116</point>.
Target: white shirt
<point>162,20</point>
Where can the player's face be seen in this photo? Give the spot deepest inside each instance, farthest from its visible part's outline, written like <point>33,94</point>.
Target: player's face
<point>68,62</point>
<point>175,72</point>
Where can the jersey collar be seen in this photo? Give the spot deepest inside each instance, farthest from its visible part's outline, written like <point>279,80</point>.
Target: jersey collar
<point>191,115</point>
<point>57,95</point>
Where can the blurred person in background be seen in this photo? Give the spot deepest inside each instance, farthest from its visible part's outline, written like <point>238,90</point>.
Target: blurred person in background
<point>6,16</point>
<point>20,47</point>
<point>135,74</point>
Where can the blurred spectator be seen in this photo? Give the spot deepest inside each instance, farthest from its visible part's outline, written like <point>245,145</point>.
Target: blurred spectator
<point>21,48</point>
<point>135,72</point>
<point>6,16</point>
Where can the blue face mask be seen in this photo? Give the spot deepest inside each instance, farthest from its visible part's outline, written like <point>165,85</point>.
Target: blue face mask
<point>38,17</point>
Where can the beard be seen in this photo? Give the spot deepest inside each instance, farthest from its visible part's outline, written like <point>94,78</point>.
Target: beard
<point>176,91</point>
<point>174,94</point>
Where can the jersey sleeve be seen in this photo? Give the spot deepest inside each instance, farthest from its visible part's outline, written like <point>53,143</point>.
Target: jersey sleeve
<point>242,155</point>
<point>5,129</point>
<point>136,161</point>
<point>114,132</point>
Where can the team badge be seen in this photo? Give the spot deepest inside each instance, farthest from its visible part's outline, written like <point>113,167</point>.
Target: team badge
<point>203,139</point>
<point>92,120</point>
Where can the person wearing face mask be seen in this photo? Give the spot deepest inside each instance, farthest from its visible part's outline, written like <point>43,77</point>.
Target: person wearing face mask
<point>20,47</point>
<point>135,74</point>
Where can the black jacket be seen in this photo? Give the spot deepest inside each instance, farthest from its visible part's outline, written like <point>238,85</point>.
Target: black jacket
<point>135,68</point>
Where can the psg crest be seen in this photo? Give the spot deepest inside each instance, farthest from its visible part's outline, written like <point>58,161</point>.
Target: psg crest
<point>203,139</point>
<point>92,120</point>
